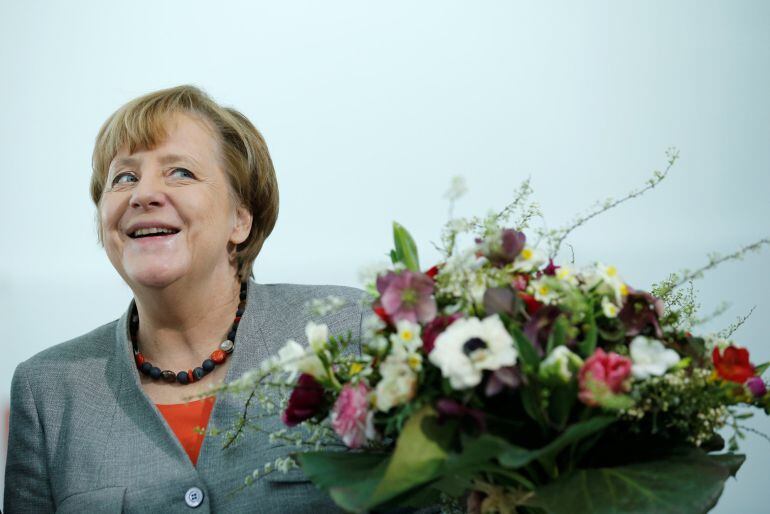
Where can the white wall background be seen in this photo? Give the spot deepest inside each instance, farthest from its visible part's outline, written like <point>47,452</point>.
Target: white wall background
<point>369,109</point>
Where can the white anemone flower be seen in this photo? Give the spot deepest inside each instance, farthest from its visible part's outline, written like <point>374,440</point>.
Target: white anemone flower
<point>293,358</point>
<point>650,358</point>
<point>469,346</point>
<point>317,336</point>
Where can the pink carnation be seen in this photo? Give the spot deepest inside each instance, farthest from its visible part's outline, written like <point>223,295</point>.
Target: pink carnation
<point>601,374</point>
<point>351,418</point>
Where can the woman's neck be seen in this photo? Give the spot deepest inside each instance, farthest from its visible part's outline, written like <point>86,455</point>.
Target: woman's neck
<point>181,324</point>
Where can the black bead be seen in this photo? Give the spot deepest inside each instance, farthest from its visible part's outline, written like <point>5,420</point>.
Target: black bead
<point>243,294</point>
<point>168,376</point>
<point>198,373</point>
<point>146,367</point>
<point>208,365</point>
<point>231,335</point>
<point>239,312</point>
<point>155,372</point>
<point>182,377</point>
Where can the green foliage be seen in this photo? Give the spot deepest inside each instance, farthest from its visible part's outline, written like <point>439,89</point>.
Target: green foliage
<point>688,480</point>
<point>527,353</point>
<point>588,344</point>
<point>358,482</point>
<point>515,457</point>
<point>405,250</point>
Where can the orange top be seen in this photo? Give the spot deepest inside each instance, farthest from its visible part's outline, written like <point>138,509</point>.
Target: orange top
<point>183,418</point>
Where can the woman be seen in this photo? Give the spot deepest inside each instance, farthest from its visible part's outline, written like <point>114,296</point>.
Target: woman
<point>186,194</point>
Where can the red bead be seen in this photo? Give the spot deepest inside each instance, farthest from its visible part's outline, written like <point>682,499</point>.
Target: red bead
<point>237,319</point>
<point>139,359</point>
<point>218,356</point>
<point>190,376</point>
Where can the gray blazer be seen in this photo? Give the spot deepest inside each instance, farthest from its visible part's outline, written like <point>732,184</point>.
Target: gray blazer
<point>85,438</point>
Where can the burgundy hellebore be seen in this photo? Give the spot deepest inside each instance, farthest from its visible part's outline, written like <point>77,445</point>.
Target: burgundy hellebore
<point>407,296</point>
<point>641,310</point>
<point>305,401</point>
<point>434,328</point>
<point>511,244</point>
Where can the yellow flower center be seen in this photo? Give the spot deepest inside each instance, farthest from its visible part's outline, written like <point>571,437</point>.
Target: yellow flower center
<point>526,254</point>
<point>544,290</point>
<point>356,368</point>
<point>612,271</point>
<point>407,335</point>
<point>623,289</point>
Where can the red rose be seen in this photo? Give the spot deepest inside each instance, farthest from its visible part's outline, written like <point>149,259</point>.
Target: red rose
<point>305,401</point>
<point>733,364</point>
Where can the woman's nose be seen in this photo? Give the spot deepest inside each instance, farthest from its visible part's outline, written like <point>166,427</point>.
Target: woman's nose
<point>148,193</point>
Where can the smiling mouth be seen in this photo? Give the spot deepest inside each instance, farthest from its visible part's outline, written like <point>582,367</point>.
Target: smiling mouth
<point>145,233</point>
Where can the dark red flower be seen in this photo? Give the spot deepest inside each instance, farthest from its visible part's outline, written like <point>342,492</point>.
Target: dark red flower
<point>434,328</point>
<point>433,271</point>
<point>379,310</point>
<point>531,304</point>
<point>538,328</point>
<point>641,313</point>
<point>306,401</point>
<point>550,270</point>
<point>509,246</point>
<point>733,364</point>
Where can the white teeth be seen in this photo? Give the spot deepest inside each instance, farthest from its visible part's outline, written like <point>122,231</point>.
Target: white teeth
<point>148,231</point>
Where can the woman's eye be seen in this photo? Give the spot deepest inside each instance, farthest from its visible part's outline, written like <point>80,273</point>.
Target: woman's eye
<point>124,178</point>
<point>182,172</point>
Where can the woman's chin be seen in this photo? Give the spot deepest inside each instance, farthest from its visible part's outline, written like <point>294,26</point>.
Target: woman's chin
<point>156,278</point>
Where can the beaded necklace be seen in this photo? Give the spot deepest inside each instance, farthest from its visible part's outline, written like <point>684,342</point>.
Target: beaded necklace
<point>217,357</point>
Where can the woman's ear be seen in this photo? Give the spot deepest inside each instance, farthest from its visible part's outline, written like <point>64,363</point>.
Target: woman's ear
<point>242,227</point>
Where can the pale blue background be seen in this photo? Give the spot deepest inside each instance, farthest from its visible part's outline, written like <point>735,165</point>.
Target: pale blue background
<point>370,108</point>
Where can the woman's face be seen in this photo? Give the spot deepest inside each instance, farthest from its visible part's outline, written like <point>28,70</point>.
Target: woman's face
<point>167,213</point>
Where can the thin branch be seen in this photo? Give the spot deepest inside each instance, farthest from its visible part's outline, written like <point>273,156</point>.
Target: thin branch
<point>657,178</point>
<point>729,331</point>
<point>241,420</point>
<point>714,261</point>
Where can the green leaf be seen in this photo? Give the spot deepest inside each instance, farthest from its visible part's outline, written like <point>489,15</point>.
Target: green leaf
<point>685,481</point>
<point>357,482</point>
<point>527,352</point>
<point>418,458</point>
<point>349,478</point>
<point>758,370</point>
<point>561,401</point>
<point>517,457</point>
<point>406,249</point>
<point>588,345</point>
<point>558,336</point>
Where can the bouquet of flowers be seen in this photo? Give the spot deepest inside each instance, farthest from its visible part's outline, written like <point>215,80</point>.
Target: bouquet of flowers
<point>501,381</point>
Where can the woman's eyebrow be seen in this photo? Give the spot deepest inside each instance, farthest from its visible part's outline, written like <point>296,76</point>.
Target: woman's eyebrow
<point>169,158</point>
<point>165,159</point>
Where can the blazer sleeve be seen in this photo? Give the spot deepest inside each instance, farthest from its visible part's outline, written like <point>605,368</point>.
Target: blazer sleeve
<point>27,487</point>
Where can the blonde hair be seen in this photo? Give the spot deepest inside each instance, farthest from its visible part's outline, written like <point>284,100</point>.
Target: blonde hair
<point>140,123</point>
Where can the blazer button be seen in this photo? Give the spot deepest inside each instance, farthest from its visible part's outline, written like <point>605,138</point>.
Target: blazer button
<point>193,497</point>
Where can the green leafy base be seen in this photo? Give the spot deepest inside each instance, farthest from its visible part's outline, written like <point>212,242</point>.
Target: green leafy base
<point>673,480</point>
